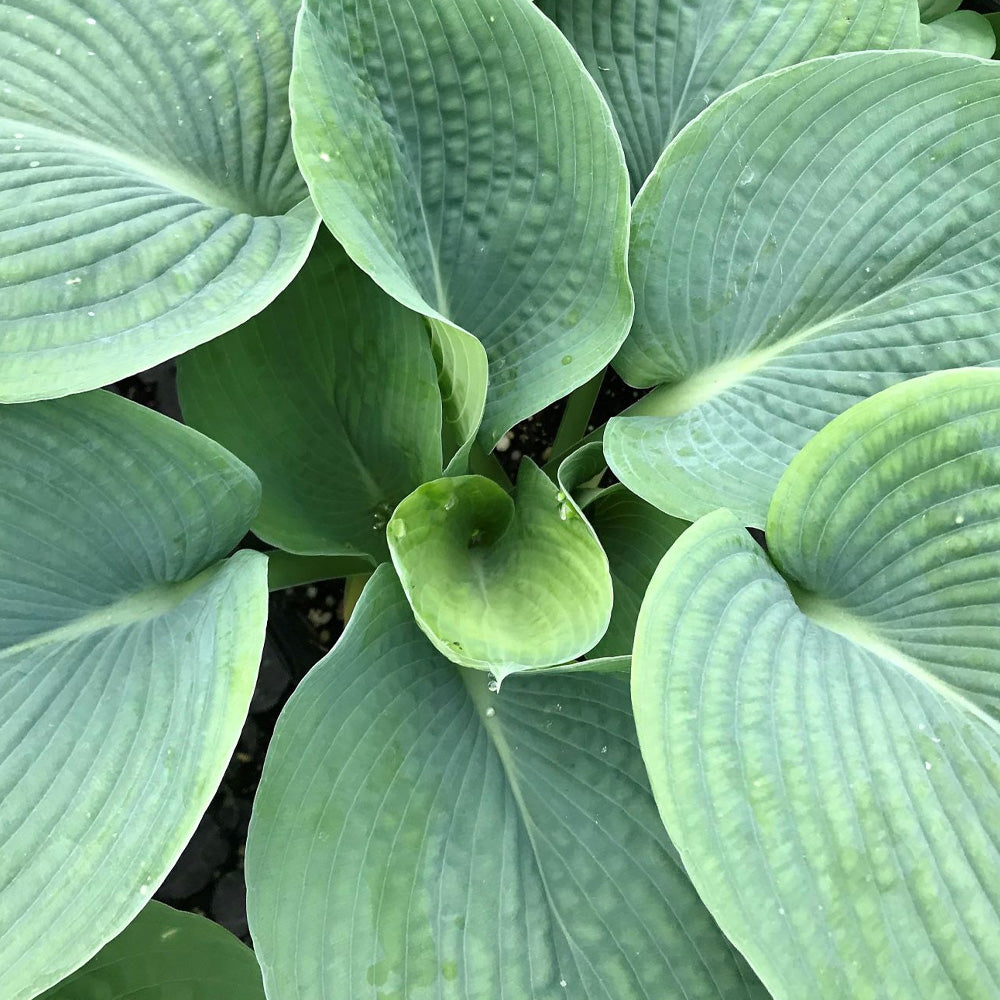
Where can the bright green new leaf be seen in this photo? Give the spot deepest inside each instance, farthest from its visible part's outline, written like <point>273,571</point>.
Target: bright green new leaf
<point>166,955</point>
<point>149,197</point>
<point>824,746</point>
<point>964,31</point>
<point>498,582</point>
<point>660,63</point>
<point>128,653</point>
<point>418,836</point>
<point>813,237</point>
<point>465,159</point>
<point>331,397</point>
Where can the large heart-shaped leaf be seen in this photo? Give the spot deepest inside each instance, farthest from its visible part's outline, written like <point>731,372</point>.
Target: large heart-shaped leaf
<point>468,163</point>
<point>825,747</point>
<point>499,582</point>
<point>149,197</point>
<point>331,397</point>
<point>660,63</point>
<point>813,237</point>
<point>166,955</point>
<point>419,836</point>
<point>128,655</point>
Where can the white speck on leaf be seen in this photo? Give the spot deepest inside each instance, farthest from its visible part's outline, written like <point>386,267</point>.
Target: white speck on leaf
<point>959,519</point>
<point>325,157</point>
<point>91,20</point>
<point>34,163</point>
<point>73,281</point>
<point>490,712</point>
<point>927,765</point>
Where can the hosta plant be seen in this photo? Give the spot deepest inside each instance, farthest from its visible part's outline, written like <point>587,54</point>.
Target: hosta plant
<point>584,735</point>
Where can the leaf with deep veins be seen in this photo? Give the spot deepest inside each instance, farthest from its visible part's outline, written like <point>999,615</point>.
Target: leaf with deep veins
<point>129,647</point>
<point>418,836</point>
<point>822,731</point>
<point>660,63</point>
<point>149,195</point>
<point>815,236</point>
<point>464,158</point>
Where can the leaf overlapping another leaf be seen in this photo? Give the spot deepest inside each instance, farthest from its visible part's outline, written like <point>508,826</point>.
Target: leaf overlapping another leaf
<point>822,731</point>
<point>128,653</point>
<point>660,63</point>
<point>419,836</point>
<point>815,236</point>
<point>166,955</point>
<point>149,195</point>
<point>463,157</point>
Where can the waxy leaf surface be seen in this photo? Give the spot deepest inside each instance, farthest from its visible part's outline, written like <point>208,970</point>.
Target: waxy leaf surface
<point>149,197</point>
<point>660,63</point>
<point>331,397</point>
<point>418,836</point>
<point>128,653</point>
<point>815,236</point>
<point>166,955</point>
<point>500,582</point>
<point>822,731</point>
<point>464,158</point>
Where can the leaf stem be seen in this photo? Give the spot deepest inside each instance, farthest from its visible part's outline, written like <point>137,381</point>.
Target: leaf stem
<point>485,463</point>
<point>352,593</point>
<point>285,569</point>
<point>576,416</point>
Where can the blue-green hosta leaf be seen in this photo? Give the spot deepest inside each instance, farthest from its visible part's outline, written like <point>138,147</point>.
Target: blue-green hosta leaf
<point>660,63</point>
<point>824,746</point>
<point>128,653</point>
<point>468,163</point>
<point>963,31</point>
<point>498,582</point>
<point>815,236</point>
<point>166,955</point>
<point>635,536</point>
<point>149,197</point>
<point>931,10</point>
<point>419,837</point>
<point>331,397</point>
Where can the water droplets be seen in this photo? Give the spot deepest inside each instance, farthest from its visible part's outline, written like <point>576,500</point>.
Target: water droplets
<point>959,519</point>
<point>493,686</point>
<point>567,359</point>
<point>34,163</point>
<point>747,177</point>
<point>91,21</point>
<point>451,502</point>
<point>490,712</point>
<point>927,765</point>
<point>380,516</point>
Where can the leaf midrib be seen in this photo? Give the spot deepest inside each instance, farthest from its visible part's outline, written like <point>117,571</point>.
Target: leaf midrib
<point>835,618</point>
<point>480,696</point>
<point>188,185</point>
<point>153,602</point>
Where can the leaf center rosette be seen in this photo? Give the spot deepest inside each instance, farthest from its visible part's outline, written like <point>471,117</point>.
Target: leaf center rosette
<point>498,582</point>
